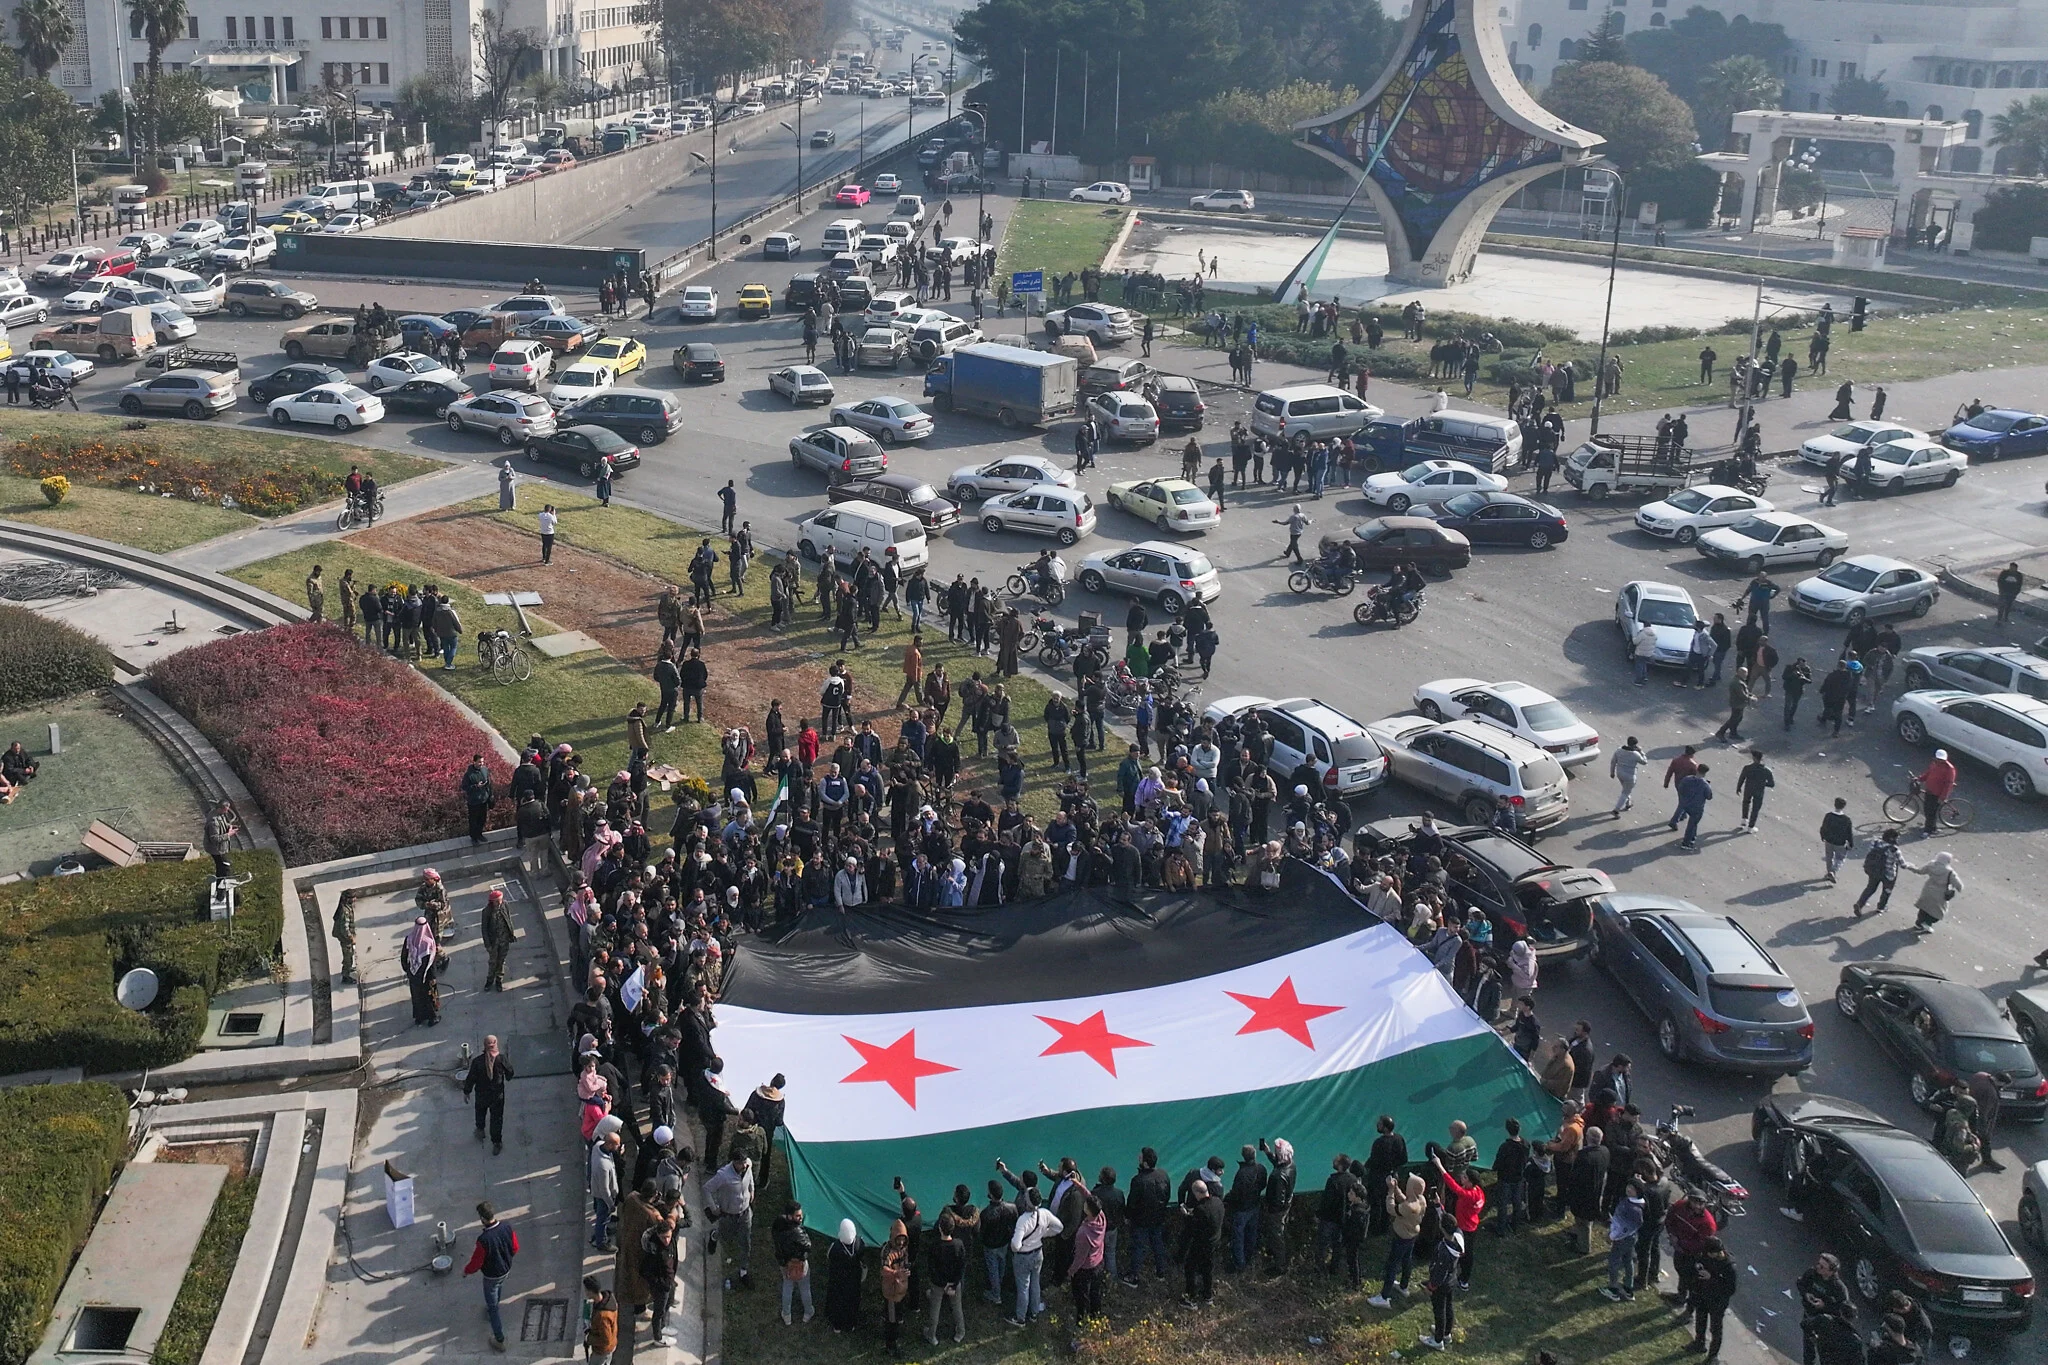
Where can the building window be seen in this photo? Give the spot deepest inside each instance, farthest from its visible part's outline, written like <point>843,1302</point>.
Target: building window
<point>1934,113</point>
<point>1656,21</point>
<point>1813,101</point>
<point>1977,78</point>
<point>288,31</point>
<point>1817,67</point>
<point>1576,4</point>
<point>192,27</point>
<point>2027,80</point>
<point>383,73</point>
<point>1967,160</point>
<point>1535,37</point>
<point>2004,81</point>
<point>380,29</point>
<point>1973,119</point>
<point>269,29</point>
<point>365,77</point>
<point>231,28</point>
<point>327,29</point>
<point>1566,49</point>
<point>1848,71</point>
<point>1620,22</point>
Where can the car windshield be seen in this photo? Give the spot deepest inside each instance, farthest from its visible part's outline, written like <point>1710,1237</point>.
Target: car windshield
<point>1895,453</point>
<point>923,492</point>
<point>1991,1054</point>
<point>1992,421</point>
<point>1854,577</point>
<point>1756,528</point>
<point>1415,473</point>
<point>899,407</point>
<point>353,394</point>
<point>1662,611</point>
<point>578,379</point>
<point>1549,715</point>
<point>1688,500</point>
<point>1756,1004</point>
<point>1957,1229</point>
<point>1355,749</point>
<point>1856,434</point>
<point>1194,566</point>
<point>815,381</point>
<point>1465,504</point>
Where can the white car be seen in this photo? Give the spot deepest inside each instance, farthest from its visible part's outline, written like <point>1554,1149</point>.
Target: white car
<point>195,232</point>
<point>520,364</point>
<point>341,406</point>
<point>172,323</point>
<point>1516,707</point>
<point>1098,322</point>
<point>1101,192</point>
<point>1689,511</point>
<point>910,209</point>
<point>1239,200</point>
<point>887,419</point>
<point>888,182</point>
<point>1065,514</point>
<point>1428,483</point>
<point>1012,474</point>
<point>1666,609</point>
<point>1896,466</point>
<point>782,246</point>
<point>876,249</point>
<point>698,304</point>
<point>16,309</point>
<point>91,296</point>
<point>1862,586</point>
<point>753,107</point>
<point>72,368</point>
<point>453,162</point>
<point>1846,441</point>
<point>403,366</point>
<point>246,251</point>
<point>580,380</point>
<point>1772,538</point>
<point>1125,417</point>
<point>344,224</point>
<point>1306,730</point>
<point>2005,730</point>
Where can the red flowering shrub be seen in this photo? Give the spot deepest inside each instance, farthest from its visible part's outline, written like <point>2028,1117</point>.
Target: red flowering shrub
<point>347,750</point>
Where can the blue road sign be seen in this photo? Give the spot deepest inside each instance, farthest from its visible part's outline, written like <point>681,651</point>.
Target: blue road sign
<point>1027,282</point>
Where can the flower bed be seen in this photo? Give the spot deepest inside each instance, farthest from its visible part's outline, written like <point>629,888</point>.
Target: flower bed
<point>58,1148</point>
<point>266,488</point>
<point>46,660</point>
<point>347,750</point>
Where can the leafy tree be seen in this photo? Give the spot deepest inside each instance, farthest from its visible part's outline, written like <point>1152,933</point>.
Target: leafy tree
<point>1605,43</point>
<point>1646,126</point>
<point>1859,95</point>
<point>505,56</point>
<point>2012,216</point>
<point>44,28</point>
<point>184,113</point>
<point>162,23</point>
<point>547,91</point>
<point>2022,131</point>
<point>43,128</point>
<point>1682,54</point>
<point>1727,88</point>
<point>442,102</point>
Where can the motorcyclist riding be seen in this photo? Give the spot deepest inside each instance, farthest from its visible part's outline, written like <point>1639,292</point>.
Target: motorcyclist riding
<point>1045,573</point>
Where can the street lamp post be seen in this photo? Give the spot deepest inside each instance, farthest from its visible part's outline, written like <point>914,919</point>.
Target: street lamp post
<point>712,161</point>
<point>1617,186</point>
<point>980,111</point>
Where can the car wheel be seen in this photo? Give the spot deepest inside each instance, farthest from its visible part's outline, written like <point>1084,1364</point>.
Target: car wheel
<point>1920,1090</point>
<point>1687,535</point>
<point>1824,558</point>
<point>1855,616</point>
<point>1922,607</point>
<point>130,404</point>
<point>1165,526</point>
<point>1539,540</point>
<point>107,354</point>
<point>506,438</point>
<point>650,437</point>
<point>441,411</point>
<point>1917,678</point>
<point>968,493</point>
<point>1847,1001</point>
<point>1869,1283</point>
<point>806,549</point>
<point>1763,1143</point>
<point>1478,810</point>
<point>888,437</point>
<point>992,524</point>
<point>2025,1027</point>
<point>1398,504</point>
<point>1431,709</point>
<point>292,312</point>
<point>455,421</point>
<point>295,350</point>
<point>195,409</point>
<point>1067,535</point>
<point>2030,1222</point>
<point>238,310</point>
<point>1170,603</point>
<point>373,383</point>
<point>1004,416</point>
<point>1668,1041</point>
<point>341,424</point>
<point>2015,782</point>
<point>1091,580</point>
<point>587,470</point>
<point>1950,481</point>
<point>280,417</point>
<point>1912,729</point>
<point>533,454</point>
<point>1895,486</point>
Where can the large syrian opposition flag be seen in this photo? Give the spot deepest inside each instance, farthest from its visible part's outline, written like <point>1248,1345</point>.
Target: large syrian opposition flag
<point>928,1047</point>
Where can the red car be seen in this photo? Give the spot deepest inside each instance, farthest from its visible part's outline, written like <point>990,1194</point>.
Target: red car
<point>854,195</point>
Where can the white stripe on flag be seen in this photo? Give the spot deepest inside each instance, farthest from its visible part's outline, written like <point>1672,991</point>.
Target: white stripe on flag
<point>987,1064</point>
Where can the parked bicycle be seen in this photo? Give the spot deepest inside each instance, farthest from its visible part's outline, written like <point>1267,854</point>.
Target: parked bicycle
<point>506,659</point>
<point>1911,804</point>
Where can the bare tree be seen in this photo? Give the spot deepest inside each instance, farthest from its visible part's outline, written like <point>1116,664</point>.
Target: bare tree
<point>505,56</point>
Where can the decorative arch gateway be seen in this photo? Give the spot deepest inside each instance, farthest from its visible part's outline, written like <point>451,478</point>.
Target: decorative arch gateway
<point>1444,138</point>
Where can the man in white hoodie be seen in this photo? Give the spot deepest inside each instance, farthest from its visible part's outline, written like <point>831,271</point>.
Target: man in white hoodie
<point>1624,766</point>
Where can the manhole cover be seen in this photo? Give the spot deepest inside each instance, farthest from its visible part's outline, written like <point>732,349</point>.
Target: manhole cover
<point>545,1320</point>
<point>241,1024</point>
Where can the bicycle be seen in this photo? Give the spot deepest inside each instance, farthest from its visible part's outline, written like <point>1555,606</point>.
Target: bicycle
<point>1909,805</point>
<point>497,651</point>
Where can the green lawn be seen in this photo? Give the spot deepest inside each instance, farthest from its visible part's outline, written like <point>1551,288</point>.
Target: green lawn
<point>1529,1293</point>
<point>109,771</point>
<point>1056,236</point>
<point>214,439</point>
<point>581,700</point>
<point>206,1279</point>
<point>157,524</point>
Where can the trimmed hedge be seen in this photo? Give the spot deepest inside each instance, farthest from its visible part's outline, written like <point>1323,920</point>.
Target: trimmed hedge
<point>348,750</point>
<point>59,1145</point>
<point>47,660</point>
<point>66,941</point>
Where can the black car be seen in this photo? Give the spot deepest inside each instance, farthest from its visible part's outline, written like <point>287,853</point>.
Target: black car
<point>1942,1030</point>
<point>293,379</point>
<point>389,192</point>
<point>1894,1210</point>
<point>1385,542</point>
<point>1177,401</point>
<point>197,260</point>
<point>640,415</point>
<point>1523,893</point>
<point>428,397</point>
<point>580,447</point>
<point>904,492</point>
<point>1488,518</point>
<point>964,182</point>
<point>699,360</point>
<point>804,291</point>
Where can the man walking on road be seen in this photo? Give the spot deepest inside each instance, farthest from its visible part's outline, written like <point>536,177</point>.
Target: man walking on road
<point>488,1073</point>
<point>729,503</point>
<point>1694,791</point>
<point>2010,581</point>
<point>496,1245</point>
<point>1295,523</point>
<point>1751,784</point>
<point>1624,767</point>
<point>498,936</point>
<point>730,1195</point>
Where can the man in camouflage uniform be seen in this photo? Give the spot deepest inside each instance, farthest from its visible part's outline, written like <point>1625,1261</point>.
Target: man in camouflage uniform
<point>345,935</point>
<point>431,900</point>
<point>498,938</point>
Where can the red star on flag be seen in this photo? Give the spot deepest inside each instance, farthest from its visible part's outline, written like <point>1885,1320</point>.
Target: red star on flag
<point>897,1066</point>
<point>1282,1010</point>
<point>1091,1038</point>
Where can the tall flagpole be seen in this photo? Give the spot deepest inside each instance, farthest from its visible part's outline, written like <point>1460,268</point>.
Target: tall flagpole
<point>1116,119</point>
<point>1084,89</point>
<point>1023,93</point>
<point>1053,147</point>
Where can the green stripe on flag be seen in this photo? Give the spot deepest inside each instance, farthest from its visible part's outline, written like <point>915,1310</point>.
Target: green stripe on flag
<point>1477,1079</point>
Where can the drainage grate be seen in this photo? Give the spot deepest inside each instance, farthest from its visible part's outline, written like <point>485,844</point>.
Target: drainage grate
<point>545,1320</point>
<point>241,1024</point>
<point>104,1329</point>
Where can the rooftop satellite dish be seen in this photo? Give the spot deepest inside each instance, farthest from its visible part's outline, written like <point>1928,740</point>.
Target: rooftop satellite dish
<point>137,990</point>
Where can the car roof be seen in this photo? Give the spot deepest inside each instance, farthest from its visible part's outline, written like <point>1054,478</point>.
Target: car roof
<point>1778,516</point>
<point>1517,691</point>
<point>1880,563</point>
<point>2033,708</point>
<point>1493,737</point>
<point>1665,592</point>
<point>2007,412</point>
<point>1957,1007</point>
<point>2016,655</point>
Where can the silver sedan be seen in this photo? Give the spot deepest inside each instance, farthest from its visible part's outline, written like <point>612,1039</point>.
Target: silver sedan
<point>801,384</point>
<point>889,420</point>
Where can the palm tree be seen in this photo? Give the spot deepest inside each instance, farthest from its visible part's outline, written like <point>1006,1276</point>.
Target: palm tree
<point>46,30</point>
<point>2023,131</point>
<point>162,23</point>
<point>1730,86</point>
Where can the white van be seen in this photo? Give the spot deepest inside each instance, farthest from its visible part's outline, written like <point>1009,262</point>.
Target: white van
<point>196,294</point>
<point>345,194</point>
<point>841,234</point>
<point>1318,411</point>
<point>845,529</point>
<point>1480,439</point>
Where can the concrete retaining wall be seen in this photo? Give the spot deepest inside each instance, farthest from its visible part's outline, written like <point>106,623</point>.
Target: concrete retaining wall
<point>507,263</point>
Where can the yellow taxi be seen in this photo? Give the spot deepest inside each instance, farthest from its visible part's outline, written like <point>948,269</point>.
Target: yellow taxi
<point>755,301</point>
<point>620,355</point>
<point>295,222</point>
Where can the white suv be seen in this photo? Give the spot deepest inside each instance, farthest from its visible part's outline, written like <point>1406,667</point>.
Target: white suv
<point>521,365</point>
<point>2003,729</point>
<point>935,339</point>
<point>1348,761</point>
<point>1470,766</point>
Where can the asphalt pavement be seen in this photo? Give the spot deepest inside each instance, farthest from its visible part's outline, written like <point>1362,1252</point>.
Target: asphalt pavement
<point>1543,617</point>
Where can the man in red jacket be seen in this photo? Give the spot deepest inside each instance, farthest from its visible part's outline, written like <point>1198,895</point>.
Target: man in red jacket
<point>496,1245</point>
<point>1939,782</point>
<point>1471,1207</point>
<point>1690,1223</point>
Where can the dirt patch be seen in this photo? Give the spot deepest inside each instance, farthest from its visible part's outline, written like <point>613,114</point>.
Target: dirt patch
<point>611,601</point>
<point>235,1154</point>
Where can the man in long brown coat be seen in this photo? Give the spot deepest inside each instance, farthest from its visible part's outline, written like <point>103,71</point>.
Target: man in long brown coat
<point>634,1217</point>
<point>1009,631</point>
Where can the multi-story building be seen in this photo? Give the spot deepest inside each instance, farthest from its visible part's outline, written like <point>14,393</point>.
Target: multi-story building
<point>276,52</point>
<point>1939,59</point>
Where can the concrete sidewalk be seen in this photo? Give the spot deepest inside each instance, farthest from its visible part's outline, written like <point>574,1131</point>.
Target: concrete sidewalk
<point>444,487</point>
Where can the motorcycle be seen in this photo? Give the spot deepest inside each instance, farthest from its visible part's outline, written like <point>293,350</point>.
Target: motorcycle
<point>1315,574</point>
<point>1723,1193</point>
<point>1729,474</point>
<point>1024,583</point>
<point>1058,645</point>
<point>1383,604</point>
<point>1124,690</point>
